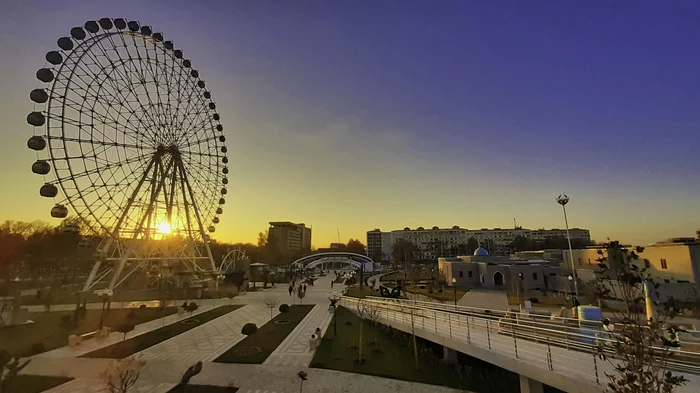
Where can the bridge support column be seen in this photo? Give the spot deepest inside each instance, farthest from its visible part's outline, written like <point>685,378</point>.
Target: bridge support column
<point>449,355</point>
<point>528,385</point>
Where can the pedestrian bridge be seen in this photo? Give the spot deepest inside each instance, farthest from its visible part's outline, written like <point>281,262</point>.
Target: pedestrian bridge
<point>328,258</point>
<point>559,353</point>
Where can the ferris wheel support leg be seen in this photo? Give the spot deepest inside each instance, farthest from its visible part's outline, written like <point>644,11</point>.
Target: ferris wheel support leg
<point>139,229</point>
<point>92,275</point>
<point>183,176</point>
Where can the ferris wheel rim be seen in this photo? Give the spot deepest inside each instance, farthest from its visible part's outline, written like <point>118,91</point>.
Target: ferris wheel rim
<point>220,158</point>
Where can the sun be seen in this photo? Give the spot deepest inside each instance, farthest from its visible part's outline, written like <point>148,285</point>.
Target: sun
<point>164,228</point>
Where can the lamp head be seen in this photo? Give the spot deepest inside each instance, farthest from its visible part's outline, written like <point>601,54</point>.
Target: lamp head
<point>570,277</point>
<point>454,280</point>
<point>563,199</point>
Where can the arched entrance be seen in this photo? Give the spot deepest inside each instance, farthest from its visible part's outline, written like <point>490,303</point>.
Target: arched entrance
<point>498,279</point>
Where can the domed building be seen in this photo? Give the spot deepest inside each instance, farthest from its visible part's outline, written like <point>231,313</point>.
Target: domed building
<point>481,252</point>
<point>487,271</point>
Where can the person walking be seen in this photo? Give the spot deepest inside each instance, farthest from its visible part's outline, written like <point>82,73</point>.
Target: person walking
<point>291,289</point>
<point>332,284</point>
<point>304,287</point>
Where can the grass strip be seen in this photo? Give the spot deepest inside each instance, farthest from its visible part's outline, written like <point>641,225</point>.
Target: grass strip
<point>255,348</point>
<point>50,330</point>
<point>387,352</point>
<point>139,343</point>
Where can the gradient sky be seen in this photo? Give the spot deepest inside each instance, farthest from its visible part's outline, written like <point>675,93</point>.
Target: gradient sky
<point>353,115</point>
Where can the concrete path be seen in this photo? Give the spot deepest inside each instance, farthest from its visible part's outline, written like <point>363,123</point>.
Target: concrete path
<point>316,294</point>
<point>94,386</point>
<point>483,298</point>
<point>294,350</point>
<point>158,376</point>
<point>115,337</point>
<point>208,341</point>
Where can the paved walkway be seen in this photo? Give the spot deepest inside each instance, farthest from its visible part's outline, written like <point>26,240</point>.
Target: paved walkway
<point>294,350</point>
<point>206,342</point>
<point>94,386</point>
<point>114,337</point>
<point>159,376</point>
<point>315,294</point>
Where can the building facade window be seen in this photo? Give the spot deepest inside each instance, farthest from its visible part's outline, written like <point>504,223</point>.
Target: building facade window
<point>664,265</point>
<point>461,274</point>
<point>469,274</point>
<point>534,275</point>
<point>647,264</point>
<point>579,261</point>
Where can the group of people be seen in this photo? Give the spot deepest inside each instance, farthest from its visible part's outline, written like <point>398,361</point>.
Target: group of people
<point>295,290</point>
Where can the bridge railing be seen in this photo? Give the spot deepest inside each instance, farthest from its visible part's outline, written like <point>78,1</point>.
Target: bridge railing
<point>525,318</point>
<point>482,311</point>
<point>573,353</point>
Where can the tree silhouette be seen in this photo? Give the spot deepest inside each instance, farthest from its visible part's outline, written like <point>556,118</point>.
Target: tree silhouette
<point>640,347</point>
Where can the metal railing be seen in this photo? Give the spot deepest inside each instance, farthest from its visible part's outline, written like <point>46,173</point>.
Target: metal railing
<point>523,318</point>
<point>570,350</point>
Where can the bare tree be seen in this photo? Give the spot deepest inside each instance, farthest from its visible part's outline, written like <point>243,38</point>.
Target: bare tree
<point>641,347</point>
<point>121,375</point>
<point>362,309</point>
<point>410,309</point>
<point>271,303</point>
<point>372,314</point>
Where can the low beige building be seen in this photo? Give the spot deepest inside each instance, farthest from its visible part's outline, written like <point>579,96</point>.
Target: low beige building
<point>676,262</point>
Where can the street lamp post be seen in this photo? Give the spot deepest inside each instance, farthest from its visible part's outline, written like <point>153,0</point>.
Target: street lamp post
<point>454,289</point>
<point>563,199</point>
<point>574,299</point>
<point>334,296</point>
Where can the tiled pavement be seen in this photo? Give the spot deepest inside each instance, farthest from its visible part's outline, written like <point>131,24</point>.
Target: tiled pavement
<point>96,386</point>
<point>160,376</point>
<point>208,341</point>
<point>114,337</point>
<point>294,350</point>
<point>165,362</point>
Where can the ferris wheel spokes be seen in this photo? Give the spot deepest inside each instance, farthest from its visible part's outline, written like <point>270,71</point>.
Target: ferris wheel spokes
<point>131,138</point>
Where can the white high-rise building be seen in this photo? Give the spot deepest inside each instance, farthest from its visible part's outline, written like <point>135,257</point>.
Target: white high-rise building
<point>435,242</point>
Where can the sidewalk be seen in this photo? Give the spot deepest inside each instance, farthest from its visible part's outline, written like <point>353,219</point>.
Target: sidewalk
<point>294,350</point>
<point>158,376</point>
<point>208,341</point>
<point>115,337</point>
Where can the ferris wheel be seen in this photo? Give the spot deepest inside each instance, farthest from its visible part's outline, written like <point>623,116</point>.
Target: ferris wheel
<point>128,138</point>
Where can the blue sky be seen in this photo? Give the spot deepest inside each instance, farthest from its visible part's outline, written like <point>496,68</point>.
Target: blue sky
<point>355,115</point>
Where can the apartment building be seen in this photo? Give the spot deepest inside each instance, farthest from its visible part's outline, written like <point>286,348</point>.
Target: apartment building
<point>431,243</point>
<point>289,238</point>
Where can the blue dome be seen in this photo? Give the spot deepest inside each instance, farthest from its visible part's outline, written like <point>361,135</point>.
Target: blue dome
<point>481,252</point>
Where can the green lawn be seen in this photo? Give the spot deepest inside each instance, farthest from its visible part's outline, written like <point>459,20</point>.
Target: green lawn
<point>257,347</point>
<point>139,343</point>
<point>35,383</point>
<point>202,389</point>
<point>392,357</point>
<point>48,332</point>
